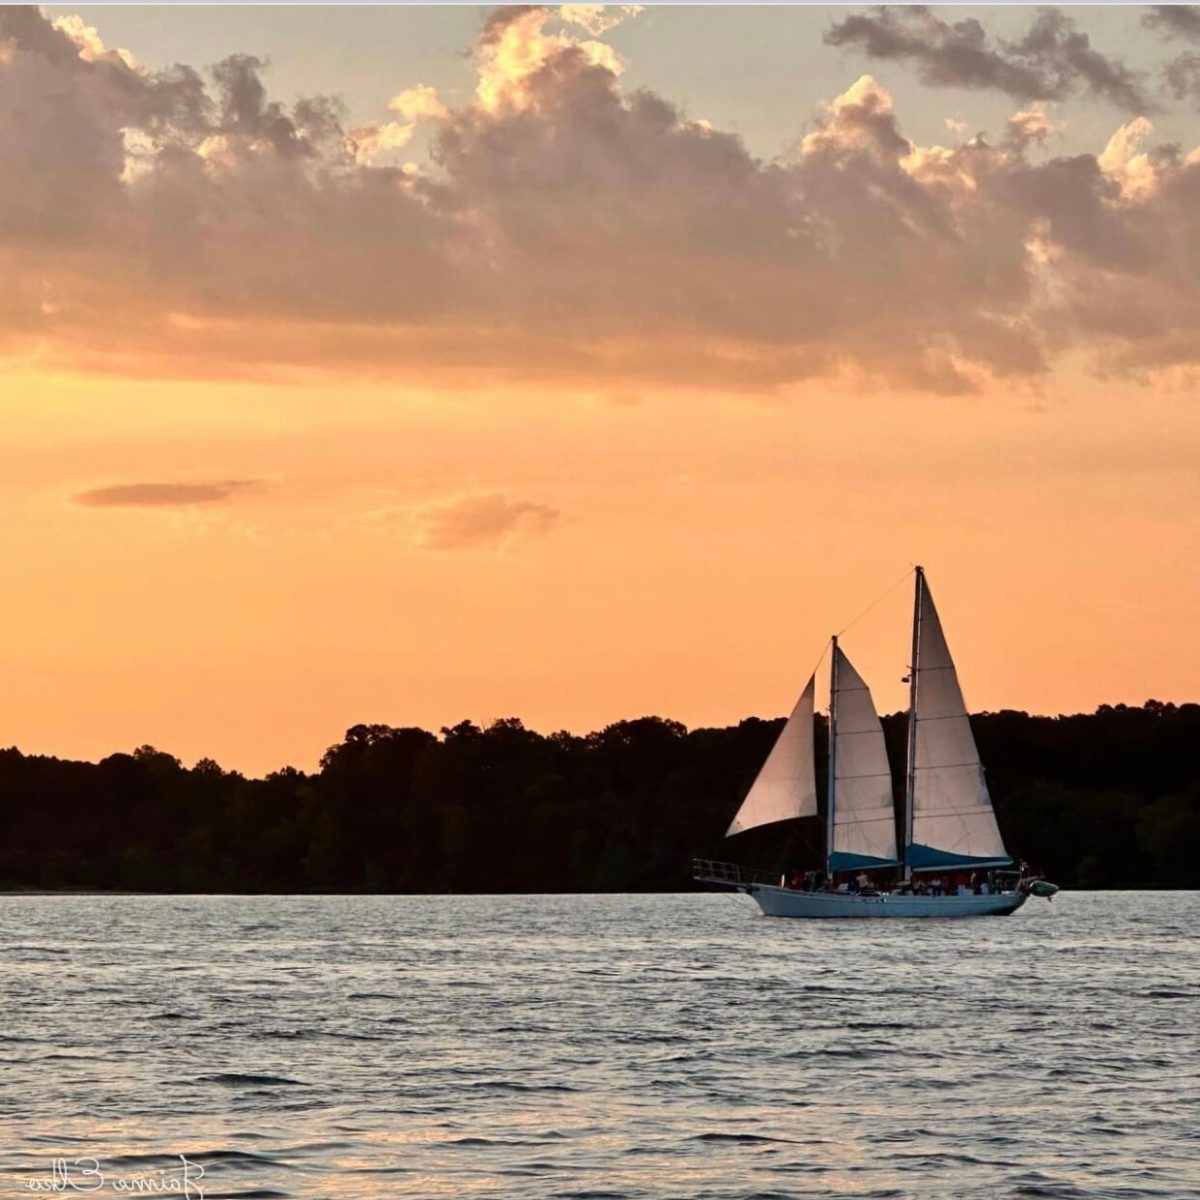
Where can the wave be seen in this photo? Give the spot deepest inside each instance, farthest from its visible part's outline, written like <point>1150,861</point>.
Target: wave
<point>513,1085</point>
<point>235,1079</point>
<point>252,1194</point>
<point>740,1139</point>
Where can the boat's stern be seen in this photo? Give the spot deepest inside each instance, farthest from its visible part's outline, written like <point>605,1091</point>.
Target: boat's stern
<point>731,875</point>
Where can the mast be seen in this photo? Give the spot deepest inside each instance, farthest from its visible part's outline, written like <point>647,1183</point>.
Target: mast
<point>911,772</point>
<point>829,825</point>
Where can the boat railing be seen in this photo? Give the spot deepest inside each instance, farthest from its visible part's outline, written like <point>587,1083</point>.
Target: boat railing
<point>707,870</point>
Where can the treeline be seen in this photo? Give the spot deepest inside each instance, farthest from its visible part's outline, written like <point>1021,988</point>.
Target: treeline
<point>1109,799</point>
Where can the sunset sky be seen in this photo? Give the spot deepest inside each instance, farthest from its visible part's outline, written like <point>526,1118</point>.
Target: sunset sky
<point>419,364</point>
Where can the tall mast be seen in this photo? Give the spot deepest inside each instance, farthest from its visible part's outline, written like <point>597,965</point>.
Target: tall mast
<point>911,773</point>
<point>833,687</point>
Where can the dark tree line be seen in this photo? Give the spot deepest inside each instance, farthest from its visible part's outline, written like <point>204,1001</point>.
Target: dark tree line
<point>1109,799</point>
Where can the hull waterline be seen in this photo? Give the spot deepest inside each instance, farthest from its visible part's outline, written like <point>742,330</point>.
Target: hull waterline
<point>786,902</point>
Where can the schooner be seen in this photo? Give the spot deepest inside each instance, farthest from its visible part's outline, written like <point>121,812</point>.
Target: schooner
<point>950,859</point>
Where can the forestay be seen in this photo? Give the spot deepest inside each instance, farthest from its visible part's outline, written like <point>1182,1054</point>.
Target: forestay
<point>952,822</point>
<point>786,786</point>
<point>864,821</point>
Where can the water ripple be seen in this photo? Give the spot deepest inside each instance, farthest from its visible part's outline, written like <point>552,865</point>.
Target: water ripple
<point>602,1048</point>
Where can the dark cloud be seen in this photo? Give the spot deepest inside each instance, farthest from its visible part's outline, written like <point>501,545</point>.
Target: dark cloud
<point>162,495</point>
<point>1174,19</point>
<point>1052,61</point>
<point>1182,76</point>
<point>563,228</point>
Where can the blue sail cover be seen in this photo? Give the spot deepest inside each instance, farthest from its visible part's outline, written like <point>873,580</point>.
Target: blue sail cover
<point>927,858</point>
<point>841,861</point>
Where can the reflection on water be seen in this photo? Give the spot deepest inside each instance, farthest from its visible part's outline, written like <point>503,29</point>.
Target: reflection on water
<point>647,1047</point>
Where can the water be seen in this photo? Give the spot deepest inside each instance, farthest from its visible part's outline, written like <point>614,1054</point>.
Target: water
<point>641,1047</point>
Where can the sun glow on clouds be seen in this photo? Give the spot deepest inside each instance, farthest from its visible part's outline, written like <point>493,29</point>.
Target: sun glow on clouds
<point>87,39</point>
<point>370,143</point>
<point>556,419</point>
<point>515,46</point>
<point>558,220</point>
<point>556,226</point>
<point>1121,161</point>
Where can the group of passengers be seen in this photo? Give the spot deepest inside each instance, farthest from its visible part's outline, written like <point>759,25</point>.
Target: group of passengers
<point>958,883</point>
<point>955,883</point>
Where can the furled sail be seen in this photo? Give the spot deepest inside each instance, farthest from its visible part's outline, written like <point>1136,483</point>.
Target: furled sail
<point>953,824</point>
<point>864,817</point>
<point>787,785</point>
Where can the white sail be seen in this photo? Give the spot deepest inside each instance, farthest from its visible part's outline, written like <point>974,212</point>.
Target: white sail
<point>952,819</point>
<point>787,785</point>
<point>864,819</point>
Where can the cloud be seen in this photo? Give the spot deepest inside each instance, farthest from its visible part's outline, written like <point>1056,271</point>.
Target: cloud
<point>517,46</point>
<point>1174,19</point>
<point>565,228</point>
<point>1052,61</point>
<point>87,39</point>
<point>483,522</point>
<point>416,102</point>
<point>163,495</point>
<point>370,143</point>
<point>1182,76</point>
<point>1029,127</point>
<point>598,19</point>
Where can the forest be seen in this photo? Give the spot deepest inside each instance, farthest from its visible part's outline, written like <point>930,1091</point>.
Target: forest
<point>1109,799</point>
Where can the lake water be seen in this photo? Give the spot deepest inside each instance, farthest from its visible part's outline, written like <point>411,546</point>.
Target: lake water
<point>554,1047</point>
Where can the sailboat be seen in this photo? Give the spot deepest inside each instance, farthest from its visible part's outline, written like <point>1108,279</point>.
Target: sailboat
<point>950,860</point>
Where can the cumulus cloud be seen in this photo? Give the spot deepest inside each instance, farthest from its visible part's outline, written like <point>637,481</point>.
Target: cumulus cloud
<point>416,102</point>
<point>1053,60</point>
<point>482,522</point>
<point>163,495</point>
<point>598,19</point>
<point>371,143</point>
<point>563,227</point>
<point>1031,126</point>
<point>517,46</point>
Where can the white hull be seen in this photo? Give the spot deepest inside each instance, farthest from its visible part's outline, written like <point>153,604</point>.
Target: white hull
<point>786,902</point>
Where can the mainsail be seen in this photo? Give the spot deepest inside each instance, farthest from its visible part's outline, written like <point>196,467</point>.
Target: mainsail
<point>950,812</point>
<point>786,786</point>
<point>863,831</point>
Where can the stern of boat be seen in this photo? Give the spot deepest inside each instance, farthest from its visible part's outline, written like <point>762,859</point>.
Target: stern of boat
<point>733,875</point>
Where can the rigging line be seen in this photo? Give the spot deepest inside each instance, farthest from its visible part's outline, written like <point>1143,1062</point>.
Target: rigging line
<point>824,651</point>
<point>875,603</point>
<point>817,664</point>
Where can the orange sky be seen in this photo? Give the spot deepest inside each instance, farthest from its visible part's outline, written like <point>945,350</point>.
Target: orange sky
<point>590,415</point>
<point>689,557</point>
